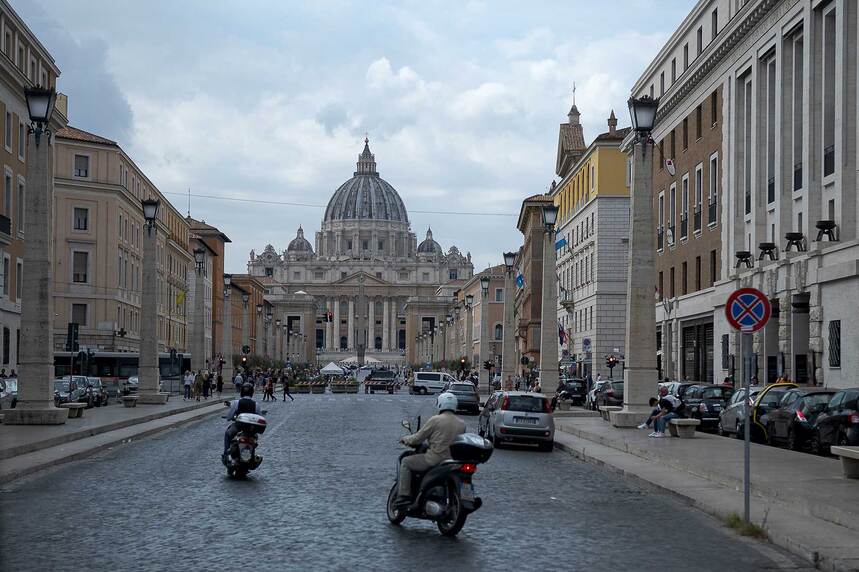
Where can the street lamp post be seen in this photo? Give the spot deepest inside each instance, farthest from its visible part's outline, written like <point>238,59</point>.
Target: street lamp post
<point>468,350</point>
<point>549,304</point>
<point>508,348</point>
<point>148,371</point>
<point>246,321</point>
<point>268,342</point>
<point>198,351</point>
<point>639,379</point>
<point>259,332</point>
<point>485,374</point>
<point>227,349</point>
<point>284,340</point>
<point>278,344</point>
<point>36,350</point>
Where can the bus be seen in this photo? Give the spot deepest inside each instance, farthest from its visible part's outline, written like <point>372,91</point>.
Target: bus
<point>116,367</point>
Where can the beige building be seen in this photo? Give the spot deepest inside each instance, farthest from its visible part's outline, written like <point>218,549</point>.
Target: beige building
<point>24,62</point>
<point>98,232</point>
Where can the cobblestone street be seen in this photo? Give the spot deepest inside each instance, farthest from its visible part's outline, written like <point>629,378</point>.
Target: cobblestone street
<point>317,502</point>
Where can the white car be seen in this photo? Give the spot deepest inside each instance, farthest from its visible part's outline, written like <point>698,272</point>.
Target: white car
<point>430,382</point>
<point>590,401</point>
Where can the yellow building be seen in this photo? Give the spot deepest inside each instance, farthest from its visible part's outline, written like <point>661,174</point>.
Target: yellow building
<point>592,245</point>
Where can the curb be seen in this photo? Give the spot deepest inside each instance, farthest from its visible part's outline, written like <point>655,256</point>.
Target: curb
<point>19,450</point>
<point>44,459</point>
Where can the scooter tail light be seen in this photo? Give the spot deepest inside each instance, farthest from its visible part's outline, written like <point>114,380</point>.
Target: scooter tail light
<point>800,416</point>
<point>468,468</point>
<point>703,408</point>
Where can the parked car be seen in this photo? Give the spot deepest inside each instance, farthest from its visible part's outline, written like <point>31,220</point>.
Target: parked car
<point>430,382</point>
<point>705,402</point>
<point>467,398</point>
<point>518,417</point>
<point>792,422</point>
<point>98,390</point>
<point>64,391</point>
<point>609,394</point>
<point>767,399</point>
<point>590,401</point>
<point>381,380</point>
<point>573,390</point>
<point>8,393</point>
<point>732,418</point>
<point>838,424</point>
<point>132,384</point>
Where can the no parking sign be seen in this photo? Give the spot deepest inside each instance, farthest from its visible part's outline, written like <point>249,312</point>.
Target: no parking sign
<point>748,310</point>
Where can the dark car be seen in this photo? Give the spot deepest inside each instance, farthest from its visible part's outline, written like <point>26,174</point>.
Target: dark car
<point>573,390</point>
<point>610,394</point>
<point>705,402</point>
<point>467,398</point>
<point>792,422</point>
<point>380,380</point>
<point>768,399</point>
<point>98,390</point>
<point>838,424</point>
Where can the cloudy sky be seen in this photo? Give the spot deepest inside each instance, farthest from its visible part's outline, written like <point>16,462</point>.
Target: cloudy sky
<point>269,100</point>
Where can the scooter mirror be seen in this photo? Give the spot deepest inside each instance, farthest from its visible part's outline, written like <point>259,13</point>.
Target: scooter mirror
<point>406,424</point>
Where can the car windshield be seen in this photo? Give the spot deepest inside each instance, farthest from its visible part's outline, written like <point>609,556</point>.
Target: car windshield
<point>772,397</point>
<point>462,388</point>
<point>717,393</point>
<point>617,385</point>
<point>575,384</point>
<point>526,403</point>
<point>12,385</point>
<point>62,386</point>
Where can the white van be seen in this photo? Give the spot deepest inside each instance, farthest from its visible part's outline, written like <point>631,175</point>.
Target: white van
<point>430,382</point>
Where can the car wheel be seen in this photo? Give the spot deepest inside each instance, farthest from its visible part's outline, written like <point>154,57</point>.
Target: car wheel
<point>815,445</point>
<point>740,433</point>
<point>792,441</point>
<point>720,430</point>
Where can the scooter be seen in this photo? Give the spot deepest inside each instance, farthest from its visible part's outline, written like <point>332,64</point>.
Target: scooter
<point>445,493</point>
<point>241,457</point>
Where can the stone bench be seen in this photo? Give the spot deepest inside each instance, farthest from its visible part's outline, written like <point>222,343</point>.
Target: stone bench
<point>683,428</point>
<point>849,460</point>
<point>129,400</point>
<point>75,409</point>
<point>605,411</point>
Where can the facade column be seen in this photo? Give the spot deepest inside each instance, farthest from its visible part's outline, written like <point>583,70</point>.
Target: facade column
<point>148,370</point>
<point>508,345</point>
<point>371,324</point>
<point>350,335</point>
<point>198,331</point>
<point>278,344</point>
<point>329,326</point>
<point>259,335</point>
<point>549,315</point>
<point>36,349</point>
<point>386,325</point>
<point>336,325</point>
<point>639,381</point>
<point>468,342</point>
<point>227,341</point>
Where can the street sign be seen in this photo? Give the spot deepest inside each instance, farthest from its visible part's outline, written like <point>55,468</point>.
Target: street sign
<point>748,310</point>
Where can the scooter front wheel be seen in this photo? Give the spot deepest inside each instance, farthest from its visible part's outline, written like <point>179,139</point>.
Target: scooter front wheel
<point>395,515</point>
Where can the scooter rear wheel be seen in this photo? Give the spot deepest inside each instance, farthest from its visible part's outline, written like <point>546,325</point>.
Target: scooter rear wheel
<point>454,520</point>
<point>395,515</point>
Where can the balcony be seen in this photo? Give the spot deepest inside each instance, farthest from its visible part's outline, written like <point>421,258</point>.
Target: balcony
<point>696,219</point>
<point>711,213</point>
<point>797,176</point>
<point>828,160</point>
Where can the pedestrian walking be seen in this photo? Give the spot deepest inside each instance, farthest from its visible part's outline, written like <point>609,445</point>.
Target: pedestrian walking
<point>220,384</point>
<point>207,384</point>
<point>285,383</point>
<point>188,381</point>
<point>238,381</point>
<point>198,385</point>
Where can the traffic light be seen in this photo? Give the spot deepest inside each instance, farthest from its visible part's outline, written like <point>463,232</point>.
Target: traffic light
<point>244,360</point>
<point>610,362</point>
<point>487,364</point>
<point>246,350</point>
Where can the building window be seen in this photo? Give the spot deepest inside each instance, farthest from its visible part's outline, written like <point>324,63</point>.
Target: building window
<point>828,108</point>
<point>7,340</point>
<point>685,133</point>
<point>796,99</point>
<point>697,273</point>
<point>499,294</point>
<point>771,120</point>
<point>671,282</point>
<point>21,210</point>
<point>81,219</point>
<point>712,267</point>
<point>81,166</point>
<point>342,275</point>
<point>699,197</point>
<point>659,287</point>
<point>7,194</point>
<point>711,192</point>
<point>714,24</point>
<point>365,245</point>
<point>835,343</point>
<point>684,207</point>
<point>698,114</point>
<point>673,70</point>
<point>660,214</point>
<point>80,263</point>
<point>714,108</point>
<point>381,245</point>
<point>699,41</point>
<point>452,274</point>
<point>22,140</point>
<point>426,276</point>
<point>318,275</point>
<point>296,275</point>
<point>9,131</point>
<point>269,271</point>
<point>661,84</point>
<point>745,143</point>
<point>79,314</point>
<point>684,280</point>
<point>499,332</point>
<point>672,213</point>
<point>673,146</point>
<point>6,278</point>
<point>685,57</point>
<point>404,275</point>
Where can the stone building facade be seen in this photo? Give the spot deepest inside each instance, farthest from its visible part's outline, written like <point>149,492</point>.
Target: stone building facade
<point>364,264</point>
<point>783,74</point>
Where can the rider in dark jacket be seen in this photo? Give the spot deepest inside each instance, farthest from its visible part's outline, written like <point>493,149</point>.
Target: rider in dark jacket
<point>245,404</point>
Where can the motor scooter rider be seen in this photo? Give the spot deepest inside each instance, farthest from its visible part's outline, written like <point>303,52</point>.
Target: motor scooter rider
<point>245,404</point>
<point>439,432</point>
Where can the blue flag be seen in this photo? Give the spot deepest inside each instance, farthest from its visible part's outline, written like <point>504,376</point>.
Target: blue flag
<point>520,281</point>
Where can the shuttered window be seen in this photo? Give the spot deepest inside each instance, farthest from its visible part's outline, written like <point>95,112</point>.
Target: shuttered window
<point>835,343</point>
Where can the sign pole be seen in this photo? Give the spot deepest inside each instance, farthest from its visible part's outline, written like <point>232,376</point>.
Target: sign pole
<point>746,351</point>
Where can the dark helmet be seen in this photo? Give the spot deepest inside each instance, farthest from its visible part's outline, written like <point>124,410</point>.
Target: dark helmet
<point>247,390</point>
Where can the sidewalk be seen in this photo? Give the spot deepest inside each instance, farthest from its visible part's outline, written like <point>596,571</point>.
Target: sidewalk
<point>26,448</point>
<point>802,501</point>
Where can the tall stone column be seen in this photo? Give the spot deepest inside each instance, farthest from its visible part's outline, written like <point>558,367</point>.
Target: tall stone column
<point>549,317</point>
<point>508,347</point>
<point>227,341</point>
<point>468,342</point>
<point>246,323</point>
<point>639,381</point>
<point>485,380</point>
<point>350,337</point>
<point>147,369</point>
<point>36,350</point>
<point>336,325</point>
<point>329,326</point>
<point>371,324</point>
<point>198,332</point>
<point>386,325</point>
<point>258,346</point>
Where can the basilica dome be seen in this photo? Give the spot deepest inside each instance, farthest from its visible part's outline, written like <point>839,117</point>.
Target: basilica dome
<point>299,243</point>
<point>366,196</point>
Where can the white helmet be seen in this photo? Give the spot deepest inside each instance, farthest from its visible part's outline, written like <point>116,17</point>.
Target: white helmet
<point>446,402</point>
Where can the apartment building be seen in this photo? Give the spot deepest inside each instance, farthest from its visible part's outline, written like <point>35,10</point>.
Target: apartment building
<point>216,242</point>
<point>24,63</point>
<point>592,249</point>
<point>98,232</point>
<point>779,158</point>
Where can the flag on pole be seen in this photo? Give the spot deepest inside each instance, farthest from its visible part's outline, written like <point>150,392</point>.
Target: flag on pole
<point>520,281</point>
<point>562,335</point>
<point>180,297</point>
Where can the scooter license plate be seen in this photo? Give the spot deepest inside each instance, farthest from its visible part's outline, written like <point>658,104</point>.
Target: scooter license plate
<point>466,491</point>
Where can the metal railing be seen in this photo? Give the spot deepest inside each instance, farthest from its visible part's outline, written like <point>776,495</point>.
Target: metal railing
<point>660,235</point>
<point>684,226</point>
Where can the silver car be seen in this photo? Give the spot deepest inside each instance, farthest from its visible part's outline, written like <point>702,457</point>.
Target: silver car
<point>467,398</point>
<point>8,393</point>
<point>518,417</point>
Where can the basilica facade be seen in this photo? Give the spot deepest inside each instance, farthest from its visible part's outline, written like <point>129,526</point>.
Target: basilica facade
<point>343,296</point>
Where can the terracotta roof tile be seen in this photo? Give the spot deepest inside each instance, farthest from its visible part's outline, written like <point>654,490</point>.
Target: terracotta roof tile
<point>80,135</point>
